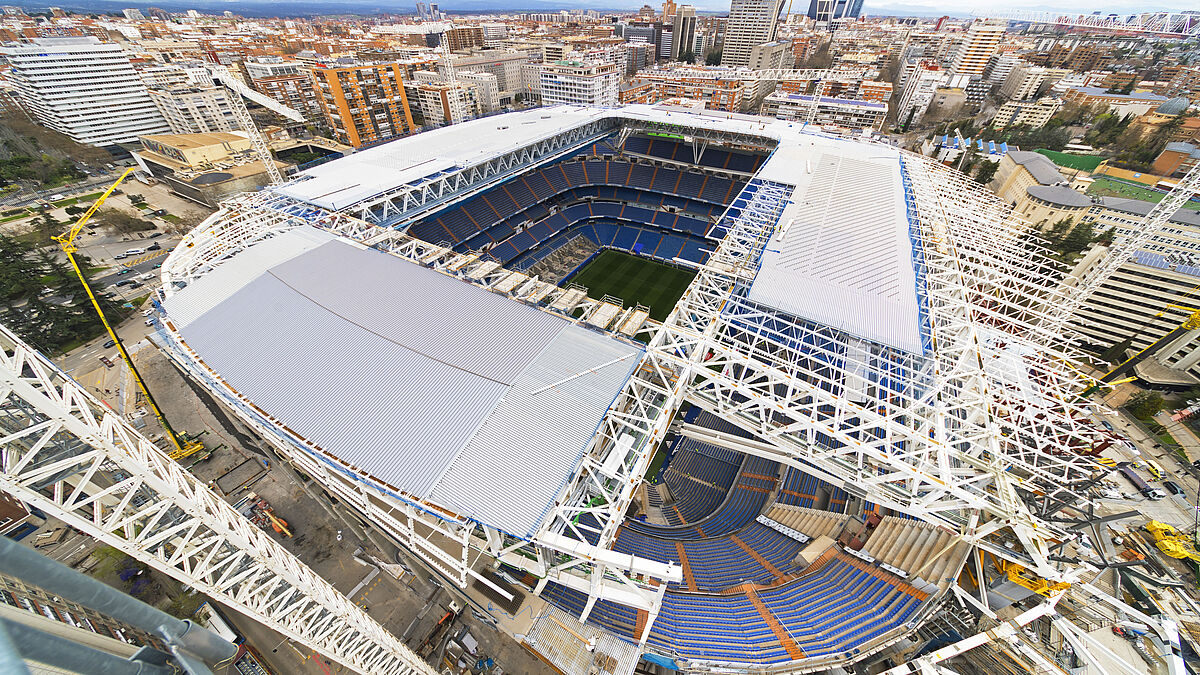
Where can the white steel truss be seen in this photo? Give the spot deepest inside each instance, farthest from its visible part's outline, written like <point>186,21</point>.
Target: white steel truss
<point>1077,291</point>
<point>1160,23</point>
<point>441,539</point>
<point>399,205</point>
<point>64,452</point>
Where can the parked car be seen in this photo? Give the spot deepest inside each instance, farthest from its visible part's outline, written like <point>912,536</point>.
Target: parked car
<point>1106,425</point>
<point>110,343</point>
<point>1173,487</point>
<point>135,284</point>
<point>149,322</point>
<point>106,361</point>
<point>154,247</point>
<point>125,282</point>
<point>156,235</point>
<point>135,251</point>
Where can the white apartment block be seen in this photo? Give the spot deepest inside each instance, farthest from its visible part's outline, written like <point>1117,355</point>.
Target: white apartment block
<point>487,90</point>
<point>581,82</point>
<point>1023,82</point>
<point>182,74</point>
<point>273,66</point>
<point>978,46</point>
<point>839,112</point>
<point>1033,114</point>
<point>83,88</point>
<point>446,102</point>
<point>1000,66</point>
<point>195,110</point>
<point>919,92</point>
<point>751,23</point>
<point>770,55</point>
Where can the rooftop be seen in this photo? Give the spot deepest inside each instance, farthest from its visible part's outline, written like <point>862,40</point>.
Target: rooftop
<point>437,405</point>
<point>1043,170</point>
<point>1059,195</point>
<point>1133,96</point>
<point>191,141</point>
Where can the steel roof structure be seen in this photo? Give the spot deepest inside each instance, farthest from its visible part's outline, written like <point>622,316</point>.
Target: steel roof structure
<point>441,389</point>
<point>934,383</point>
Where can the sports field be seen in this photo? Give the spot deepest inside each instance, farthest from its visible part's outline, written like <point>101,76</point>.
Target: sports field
<point>1081,162</point>
<point>635,280</point>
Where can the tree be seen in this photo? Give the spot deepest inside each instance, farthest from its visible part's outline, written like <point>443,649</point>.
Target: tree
<point>688,56</point>
<point>986,172</point>
<point>122,222</point>
<point>1145,405</point>
<point>713,58</point>
<point>1077,238</point>
<point>135,198</point>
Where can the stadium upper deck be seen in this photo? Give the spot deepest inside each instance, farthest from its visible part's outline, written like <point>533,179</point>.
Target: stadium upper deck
<point>863,312</point>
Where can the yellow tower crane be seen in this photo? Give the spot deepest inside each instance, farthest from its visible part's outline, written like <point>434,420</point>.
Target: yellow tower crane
<point>183,447</point>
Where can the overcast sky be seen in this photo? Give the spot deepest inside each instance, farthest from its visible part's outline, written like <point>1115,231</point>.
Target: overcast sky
<point>966,7</point>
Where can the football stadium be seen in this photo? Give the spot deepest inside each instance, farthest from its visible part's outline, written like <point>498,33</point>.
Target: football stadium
<point>832,405</point>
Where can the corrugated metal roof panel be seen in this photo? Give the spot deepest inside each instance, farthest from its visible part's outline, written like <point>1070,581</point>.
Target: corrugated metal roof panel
<point>206,292</point>
<point>430,313</point>
<point>845,261</point>
<point>531,442</point>
<point>405,373</point>
<point>369,401</point>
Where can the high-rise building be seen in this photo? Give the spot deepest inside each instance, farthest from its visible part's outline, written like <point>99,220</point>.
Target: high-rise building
<point>978,46</point>
<point>364,103</point>
<point>463,38</point>
<point>83,88</point>
<point>683,33</point>
<point>133,14</point>
<point>582,82</point>
<point>827,11</point>
<point>1023,82</point>
<point>195,110</point>
<point>751,23</point>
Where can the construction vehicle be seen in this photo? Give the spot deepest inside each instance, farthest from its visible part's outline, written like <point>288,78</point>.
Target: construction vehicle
<point>1021,576</point>
<point>181,444</point>
<point>1171,542</point>
<point>258,511</point>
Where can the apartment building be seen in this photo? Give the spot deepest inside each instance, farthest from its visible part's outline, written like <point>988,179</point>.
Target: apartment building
<point>978,46</point>
<point>463,37</point>
<point>446,102</point>
<point>195,110</point>
<point>84,88</point>
<point>487,90</point>
<point>751,23</point>
<point>720,89</point>
<point>582,82</point>
<point>683,33</point>
<point>770,55</point>
<point>1023,82</point>
<point>839,112</point>
<point>919,91</point>
<point>1032,114</point>
<point>364,104</point>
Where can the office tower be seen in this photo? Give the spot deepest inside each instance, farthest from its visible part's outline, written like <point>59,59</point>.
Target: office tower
<point>751,23</point>
<point>683,33</point>
<point>83,88</point>
<point>826,11</point>
<point>980,42</point>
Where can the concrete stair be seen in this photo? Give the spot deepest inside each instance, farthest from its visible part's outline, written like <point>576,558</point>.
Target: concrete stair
<point>812,522</point>
<point>912,546</point>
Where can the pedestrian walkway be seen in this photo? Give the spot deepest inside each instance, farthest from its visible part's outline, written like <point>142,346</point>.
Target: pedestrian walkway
<point>1182,434</point>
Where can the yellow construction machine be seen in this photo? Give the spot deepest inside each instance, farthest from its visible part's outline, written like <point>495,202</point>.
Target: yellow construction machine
<point>182,445</point>
<point>1021,576</point>
<point>1171,542</point>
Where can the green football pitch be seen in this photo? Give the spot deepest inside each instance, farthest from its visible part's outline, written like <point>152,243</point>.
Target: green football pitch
<point>635,280</point>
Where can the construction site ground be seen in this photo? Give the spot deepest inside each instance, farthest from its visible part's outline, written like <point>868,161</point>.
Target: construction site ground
<point>408,607</point>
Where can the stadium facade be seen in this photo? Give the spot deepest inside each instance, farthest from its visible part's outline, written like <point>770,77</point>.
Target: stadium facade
<point>858,388</point>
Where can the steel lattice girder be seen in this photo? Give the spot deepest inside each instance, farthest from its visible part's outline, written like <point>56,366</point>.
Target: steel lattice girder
<point>66,454</point>
<point>408,201</point>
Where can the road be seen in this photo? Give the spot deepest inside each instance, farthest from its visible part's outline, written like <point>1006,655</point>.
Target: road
<point>1176,510</point>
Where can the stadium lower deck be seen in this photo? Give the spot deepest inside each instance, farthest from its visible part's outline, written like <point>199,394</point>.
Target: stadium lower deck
<point>736,524</point>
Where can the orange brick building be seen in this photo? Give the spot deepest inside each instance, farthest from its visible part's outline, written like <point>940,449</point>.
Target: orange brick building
<point>364,104</point>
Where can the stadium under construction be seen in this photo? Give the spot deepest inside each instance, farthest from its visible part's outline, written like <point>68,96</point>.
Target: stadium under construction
<point>854,440</point>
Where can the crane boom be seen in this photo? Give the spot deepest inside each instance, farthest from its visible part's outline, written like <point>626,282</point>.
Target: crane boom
<point>183,446</point>
<point>237,92</point>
